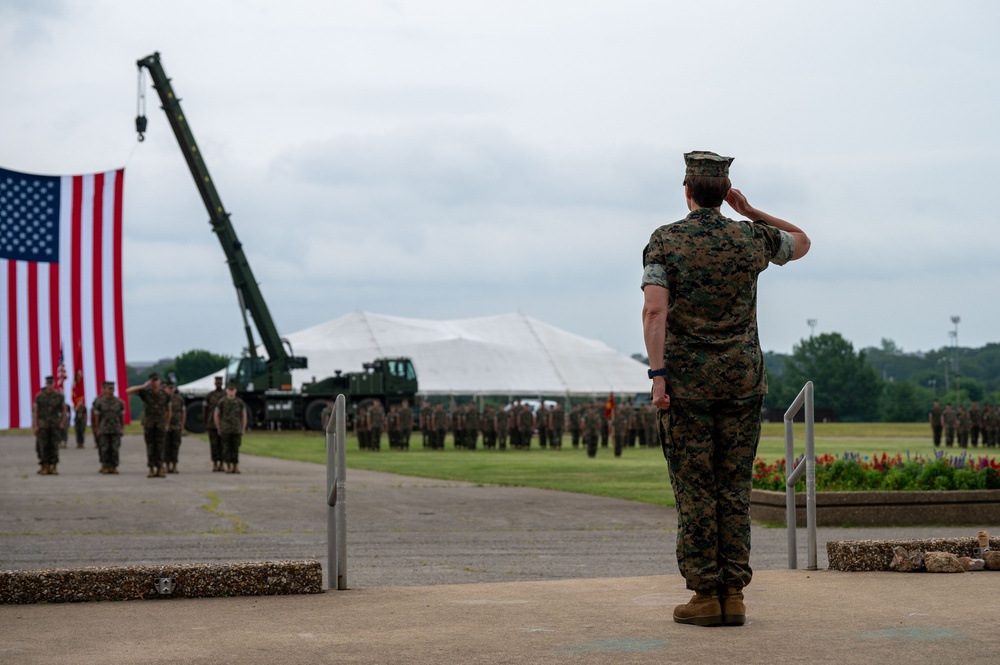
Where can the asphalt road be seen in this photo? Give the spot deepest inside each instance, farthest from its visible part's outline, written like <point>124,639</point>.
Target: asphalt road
<point>402,531</point>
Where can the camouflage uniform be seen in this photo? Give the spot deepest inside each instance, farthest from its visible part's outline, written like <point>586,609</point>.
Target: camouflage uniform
<point>605,426</point>
<point>575,416</point>
<point>405,424</point>
<point>963,427</point>
<point>503,428</point>
<point>214,442</point>
<point>439,424</point>
<point>620,419</point>
<point>154,424</point>
<point>488,425</point>
<point>989,426</point>
<point>556,427</point>
<point>427,423</point>
<point>175,429</point>
<point>950,423</point>
<point>542,425</point>
<point>470,425</point>
<point>109,411</point>
<point>49,413</point>
<point>376,422</point>
<point>392,427</point>
<point>230,413</point>
<point>936,419</point>
<point>716,383</point>
<point>524,426</point>
<point>976,423</point>
<point>80,423</point>
<point>591,426</point>
<point>362,428</point>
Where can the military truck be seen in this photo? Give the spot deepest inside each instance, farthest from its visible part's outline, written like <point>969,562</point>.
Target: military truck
<point>264,382</point>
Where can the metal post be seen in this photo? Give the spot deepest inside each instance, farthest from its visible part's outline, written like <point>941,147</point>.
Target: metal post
<point>336,496</point>
<point>807,466</point>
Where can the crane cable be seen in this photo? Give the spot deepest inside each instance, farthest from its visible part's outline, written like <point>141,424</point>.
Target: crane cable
<point>140,106</point>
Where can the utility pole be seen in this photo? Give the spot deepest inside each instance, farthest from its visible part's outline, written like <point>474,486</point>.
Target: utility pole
<point>812,326</point>
<point>954,357</point>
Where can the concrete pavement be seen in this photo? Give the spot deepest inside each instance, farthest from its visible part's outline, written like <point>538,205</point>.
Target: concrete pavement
<point>440,572</point>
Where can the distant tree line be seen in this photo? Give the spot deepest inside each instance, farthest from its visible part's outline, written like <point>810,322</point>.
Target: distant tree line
<point>185,368</point>
<point>881,383</point>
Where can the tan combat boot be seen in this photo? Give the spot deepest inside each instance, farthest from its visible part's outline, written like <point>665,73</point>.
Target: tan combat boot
<point>113,469</point>
<point>152,472</point>
<point>161,472</point>
<point>734,611</point>
<point>105,469</point>
<point>43,470</point>
<point>236,468</point>
<point>702,610</point>
<point>52,470</point>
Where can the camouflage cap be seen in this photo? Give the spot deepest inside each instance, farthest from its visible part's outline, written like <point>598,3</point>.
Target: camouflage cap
<point>154,377</point>
<point>49,379</point>
<point>231,384</point>
<point>702,162</point>
<point>108,384</point>
<point>169,384</point>
<point>218,379</point>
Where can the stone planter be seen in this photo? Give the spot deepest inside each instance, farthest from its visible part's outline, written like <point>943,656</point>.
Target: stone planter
<point>956,507</point>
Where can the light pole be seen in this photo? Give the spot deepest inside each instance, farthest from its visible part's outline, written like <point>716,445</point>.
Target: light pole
<point>812,326</point>
<point>954,356</point>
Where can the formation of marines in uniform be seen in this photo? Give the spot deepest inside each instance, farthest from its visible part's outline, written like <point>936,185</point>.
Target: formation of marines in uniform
<point>164,414</point>
<point>516,424</point>
<point>965,425</point>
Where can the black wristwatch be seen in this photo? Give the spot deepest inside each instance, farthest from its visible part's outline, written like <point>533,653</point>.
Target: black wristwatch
<point>657,372</point>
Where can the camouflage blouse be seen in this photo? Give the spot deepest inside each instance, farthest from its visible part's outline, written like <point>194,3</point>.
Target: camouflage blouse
<point>230,415</point>
<point>176,413</point>
<point>709,264</point>
<point>155,412</point>
<point>49,408</point>
<point>110,412</point>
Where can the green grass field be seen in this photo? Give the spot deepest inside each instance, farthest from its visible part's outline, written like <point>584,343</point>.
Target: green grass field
<point>639,475</point>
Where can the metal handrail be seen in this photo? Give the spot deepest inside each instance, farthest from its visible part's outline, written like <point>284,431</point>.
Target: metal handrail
<point>808,466</point>
<point>336,496</point>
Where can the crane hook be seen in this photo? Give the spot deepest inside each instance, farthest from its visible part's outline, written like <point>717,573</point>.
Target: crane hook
<point>140,108</point>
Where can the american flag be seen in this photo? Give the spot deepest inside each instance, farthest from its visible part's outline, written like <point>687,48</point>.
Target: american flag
<point>60,285</point>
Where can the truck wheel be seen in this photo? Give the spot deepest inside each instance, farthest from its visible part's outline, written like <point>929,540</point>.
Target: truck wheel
<point>314,414</point>
<point>192,421</point>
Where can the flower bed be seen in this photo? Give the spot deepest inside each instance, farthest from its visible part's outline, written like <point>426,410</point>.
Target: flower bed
<point>883,490</point>
<point>853,473</point>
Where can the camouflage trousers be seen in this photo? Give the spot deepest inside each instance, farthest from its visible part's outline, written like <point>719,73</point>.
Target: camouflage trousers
<point>155,439</point>
<point>47,444</point>
<point>231,447</point>
<point>108,446</point>
<point>215,444</point>
<point>172,446</point>
<point>710,446</point>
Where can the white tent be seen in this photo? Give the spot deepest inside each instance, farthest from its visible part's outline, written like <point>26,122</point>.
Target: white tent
<point>509,354</point>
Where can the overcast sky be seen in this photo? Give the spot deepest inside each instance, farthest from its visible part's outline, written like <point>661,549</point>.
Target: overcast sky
<point>446,159</point>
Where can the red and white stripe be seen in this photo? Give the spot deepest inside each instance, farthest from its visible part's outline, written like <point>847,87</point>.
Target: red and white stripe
<point>75,301</point>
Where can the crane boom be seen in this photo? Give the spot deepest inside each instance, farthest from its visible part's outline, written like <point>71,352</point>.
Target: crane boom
<point>280,361</point>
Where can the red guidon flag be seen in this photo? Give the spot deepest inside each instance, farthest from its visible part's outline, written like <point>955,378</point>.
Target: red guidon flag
<point>60,286</point>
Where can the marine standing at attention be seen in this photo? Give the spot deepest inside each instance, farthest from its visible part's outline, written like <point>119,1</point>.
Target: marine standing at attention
<point>108,422</point>
<point>48,418</point>
<point>231,421</point>
<point>208,417</point>
<point>699,321</point>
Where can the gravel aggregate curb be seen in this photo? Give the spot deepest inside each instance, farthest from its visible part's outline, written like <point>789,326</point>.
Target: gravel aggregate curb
<point>75,585</point>
<point>876,555</point>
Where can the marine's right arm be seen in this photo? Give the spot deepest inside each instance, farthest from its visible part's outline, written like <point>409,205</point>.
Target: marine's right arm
<point>739,203</point>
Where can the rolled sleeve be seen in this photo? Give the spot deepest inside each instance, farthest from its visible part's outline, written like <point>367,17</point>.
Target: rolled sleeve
<point>654,274</point>
<point>786,249</point>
